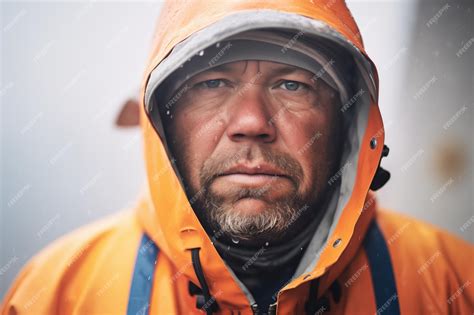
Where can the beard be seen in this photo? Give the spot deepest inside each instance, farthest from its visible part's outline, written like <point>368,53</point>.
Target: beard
<point>217,211</point>
<point>270,224</point>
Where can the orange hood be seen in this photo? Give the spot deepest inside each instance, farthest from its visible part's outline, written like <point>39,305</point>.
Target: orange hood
<point>170,220</point>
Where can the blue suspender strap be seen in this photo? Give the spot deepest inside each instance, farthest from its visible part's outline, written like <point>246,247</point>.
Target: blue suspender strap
<point>383,279</point>
<point>142,281</point>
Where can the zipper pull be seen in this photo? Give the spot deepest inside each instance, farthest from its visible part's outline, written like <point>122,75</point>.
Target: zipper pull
<point>254,309</point>
<point>272,309</point>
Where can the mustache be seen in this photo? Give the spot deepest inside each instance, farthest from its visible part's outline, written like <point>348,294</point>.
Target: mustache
<point>223,161</point>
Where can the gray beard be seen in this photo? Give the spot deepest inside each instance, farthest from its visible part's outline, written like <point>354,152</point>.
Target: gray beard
<point>218,215</point>
<point>273,223</point>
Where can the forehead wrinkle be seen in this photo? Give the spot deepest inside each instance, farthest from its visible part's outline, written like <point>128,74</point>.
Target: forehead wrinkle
<point>245,67</point>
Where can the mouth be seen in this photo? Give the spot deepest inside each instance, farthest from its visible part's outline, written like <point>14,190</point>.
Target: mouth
<point>255,175</point>
<point>252,179</point>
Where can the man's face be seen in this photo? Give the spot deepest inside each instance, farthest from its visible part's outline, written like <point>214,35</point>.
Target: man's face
<point>256,142</point>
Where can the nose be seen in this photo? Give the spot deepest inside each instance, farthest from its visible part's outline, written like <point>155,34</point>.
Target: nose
<point>250,117</point>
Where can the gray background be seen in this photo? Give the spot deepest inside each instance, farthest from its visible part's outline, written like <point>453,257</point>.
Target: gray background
<point>67,67</point>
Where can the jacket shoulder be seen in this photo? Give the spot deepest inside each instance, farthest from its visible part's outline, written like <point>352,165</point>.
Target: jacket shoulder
<point>418,233</point>
<point>429,262</point>
<point>56,273</point>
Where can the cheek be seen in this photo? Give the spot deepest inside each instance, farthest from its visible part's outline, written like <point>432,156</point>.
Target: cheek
<point>308,138</point>
<point>195,137</point>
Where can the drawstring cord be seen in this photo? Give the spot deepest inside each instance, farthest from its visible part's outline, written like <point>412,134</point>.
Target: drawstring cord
<point>336,291</point>
<point>312,303</point>
<point>321,305</point>
<point>209,304</point>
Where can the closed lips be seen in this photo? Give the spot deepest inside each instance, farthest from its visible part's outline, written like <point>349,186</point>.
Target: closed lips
<point>254,170</point>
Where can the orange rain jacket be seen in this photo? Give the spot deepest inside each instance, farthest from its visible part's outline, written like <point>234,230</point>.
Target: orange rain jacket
<point>139,261</point>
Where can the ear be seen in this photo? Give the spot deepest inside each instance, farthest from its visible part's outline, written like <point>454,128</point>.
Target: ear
<point>129,114</point>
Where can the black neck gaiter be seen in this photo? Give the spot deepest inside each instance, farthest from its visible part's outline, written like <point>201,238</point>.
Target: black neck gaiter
<point>265,270</point>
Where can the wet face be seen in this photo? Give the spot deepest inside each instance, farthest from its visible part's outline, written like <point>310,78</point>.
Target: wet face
<point>256,143</point>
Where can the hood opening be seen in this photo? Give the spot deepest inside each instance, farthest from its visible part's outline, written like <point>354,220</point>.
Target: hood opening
<point>355,108</point>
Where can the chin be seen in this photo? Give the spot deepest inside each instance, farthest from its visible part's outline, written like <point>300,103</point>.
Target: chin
<point>250,206</point>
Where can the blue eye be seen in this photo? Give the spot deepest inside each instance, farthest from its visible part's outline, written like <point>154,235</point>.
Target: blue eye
<point>212,84</point>
<point>291,85</point>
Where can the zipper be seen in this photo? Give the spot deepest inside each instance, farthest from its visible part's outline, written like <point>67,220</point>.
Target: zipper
<point>254,308</point>
<point>271,309</point>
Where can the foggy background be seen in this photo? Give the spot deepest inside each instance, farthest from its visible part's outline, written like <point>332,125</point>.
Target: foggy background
<point>66,68</point>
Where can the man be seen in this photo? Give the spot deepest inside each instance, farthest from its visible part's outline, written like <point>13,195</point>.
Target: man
<point>263,142</point>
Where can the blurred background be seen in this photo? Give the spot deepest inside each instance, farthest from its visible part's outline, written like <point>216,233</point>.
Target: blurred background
<point>68,68</point>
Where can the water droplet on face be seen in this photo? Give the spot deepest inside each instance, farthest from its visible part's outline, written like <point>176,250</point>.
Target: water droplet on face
<point>235,241</point>
<point>218,45</point>
<point>201,53</point>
